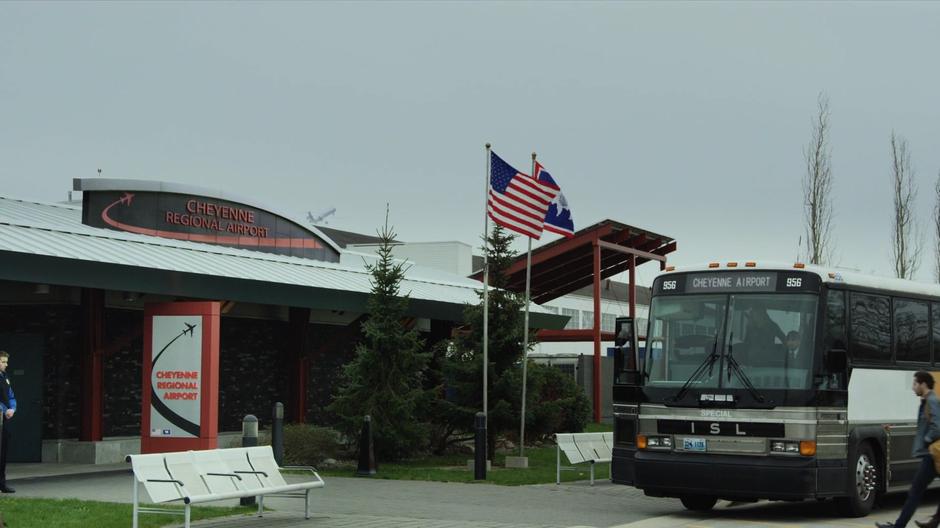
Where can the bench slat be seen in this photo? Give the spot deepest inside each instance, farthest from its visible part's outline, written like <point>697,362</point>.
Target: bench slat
<point>566,441</point>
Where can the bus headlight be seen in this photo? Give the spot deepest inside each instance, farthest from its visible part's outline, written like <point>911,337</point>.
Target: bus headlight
<point>803,447</point>
<point>654,442</point>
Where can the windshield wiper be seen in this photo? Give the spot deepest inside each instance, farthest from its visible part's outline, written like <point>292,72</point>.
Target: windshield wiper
<point>734,366</point>
<point>706,365</point>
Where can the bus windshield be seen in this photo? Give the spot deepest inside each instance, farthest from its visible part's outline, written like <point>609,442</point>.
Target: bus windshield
<point>770,336</point>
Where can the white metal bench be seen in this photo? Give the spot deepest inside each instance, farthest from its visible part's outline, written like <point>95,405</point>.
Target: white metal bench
<point>196,477</point>
<point>580,448</point>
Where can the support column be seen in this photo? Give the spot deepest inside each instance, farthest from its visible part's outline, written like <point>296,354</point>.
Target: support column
<point>597,332</point>
<point>631,263</point>
<point>299,346</point>
<point>92,368</point>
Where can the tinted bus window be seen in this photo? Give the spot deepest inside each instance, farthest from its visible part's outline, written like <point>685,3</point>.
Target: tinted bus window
<point>870,323</point>
<point>911,326</point>
<point>935,312</point>
<point>835,320</point>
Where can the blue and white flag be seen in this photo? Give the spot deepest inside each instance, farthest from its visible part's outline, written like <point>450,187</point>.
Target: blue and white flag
<point>558,218</point>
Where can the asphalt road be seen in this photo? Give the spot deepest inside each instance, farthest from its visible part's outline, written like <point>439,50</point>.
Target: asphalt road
<point>348,502</point>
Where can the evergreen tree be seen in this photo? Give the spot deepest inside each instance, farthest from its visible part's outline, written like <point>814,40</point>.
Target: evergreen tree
<point>385,379</point>
<point>463,357</point>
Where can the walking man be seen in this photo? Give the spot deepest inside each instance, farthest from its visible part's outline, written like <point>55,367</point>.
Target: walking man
<point>7,409</point>
<point>928,430</point>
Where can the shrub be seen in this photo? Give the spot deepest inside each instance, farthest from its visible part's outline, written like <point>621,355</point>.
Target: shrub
<point>306,445</point>
<point>554,404</point>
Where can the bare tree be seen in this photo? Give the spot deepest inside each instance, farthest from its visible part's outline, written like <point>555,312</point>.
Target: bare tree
<point>906,248</point>
<point>936,225</point>
<point>817,187</point>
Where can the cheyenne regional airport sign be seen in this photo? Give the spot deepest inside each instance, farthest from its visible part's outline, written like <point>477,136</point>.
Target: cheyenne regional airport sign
<point>180,397</point>
<point>202,219</point>
<point>175,378</point>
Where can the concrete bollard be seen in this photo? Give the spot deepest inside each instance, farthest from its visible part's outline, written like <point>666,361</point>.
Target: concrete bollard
<point>277,432</point>
<point>249,439</point>
<point>479,447</point>
<point>366,466</point>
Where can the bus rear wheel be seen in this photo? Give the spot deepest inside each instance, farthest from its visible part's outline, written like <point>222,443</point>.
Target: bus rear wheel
<point>864,488</point>
<point>698,502</point>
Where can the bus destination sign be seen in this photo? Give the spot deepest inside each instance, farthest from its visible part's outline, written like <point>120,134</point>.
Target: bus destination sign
<point>736,282</point>
<point>731,282</point>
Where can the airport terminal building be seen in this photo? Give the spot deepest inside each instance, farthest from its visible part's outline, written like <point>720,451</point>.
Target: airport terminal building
<point>75,280</point>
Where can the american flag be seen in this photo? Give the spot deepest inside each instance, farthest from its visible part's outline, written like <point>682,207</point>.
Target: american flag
<point>518,201</point>
<point>558,218</point>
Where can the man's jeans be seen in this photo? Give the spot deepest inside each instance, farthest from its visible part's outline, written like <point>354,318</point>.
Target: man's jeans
<point>925,474</point>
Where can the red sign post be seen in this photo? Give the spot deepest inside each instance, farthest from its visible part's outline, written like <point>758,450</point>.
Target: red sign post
<point>180,394</point>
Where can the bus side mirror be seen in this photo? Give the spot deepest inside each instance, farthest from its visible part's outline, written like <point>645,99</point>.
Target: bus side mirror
<point>626,361</point>
<point>625,332</point>
<point>836,361</point>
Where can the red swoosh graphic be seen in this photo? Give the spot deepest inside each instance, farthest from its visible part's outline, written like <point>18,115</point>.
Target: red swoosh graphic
<point>279,242</point>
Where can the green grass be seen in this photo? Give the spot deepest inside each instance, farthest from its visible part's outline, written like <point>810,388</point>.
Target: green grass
<point>453,468</point>
<point>22,512</point>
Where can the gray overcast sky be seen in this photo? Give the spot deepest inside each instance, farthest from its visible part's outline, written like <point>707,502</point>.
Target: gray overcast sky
<point>684,119</point>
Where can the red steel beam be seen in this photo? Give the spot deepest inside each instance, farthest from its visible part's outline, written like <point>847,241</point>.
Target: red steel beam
<point>632,264</point>
<point>597,332</point>
<point>579,260</point>
<point>669,248</point>
<point>567,283</point>
<point>92,387</point>
<point>549,252</point>
<point>571,336</point>
<point>299,346</point>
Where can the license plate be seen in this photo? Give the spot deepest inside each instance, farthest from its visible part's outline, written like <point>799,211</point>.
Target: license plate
<point>693,444</point>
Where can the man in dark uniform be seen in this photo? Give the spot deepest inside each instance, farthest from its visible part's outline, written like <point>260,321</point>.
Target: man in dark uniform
<point>7,409</point>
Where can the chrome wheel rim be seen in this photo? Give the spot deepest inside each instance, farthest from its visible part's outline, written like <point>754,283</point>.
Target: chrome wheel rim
<point>864,477</point>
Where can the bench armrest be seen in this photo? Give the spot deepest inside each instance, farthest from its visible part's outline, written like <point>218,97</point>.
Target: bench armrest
<point>224,475</point>
<point>171,481</point>
<point>253,473</point>
<point>304,468</point>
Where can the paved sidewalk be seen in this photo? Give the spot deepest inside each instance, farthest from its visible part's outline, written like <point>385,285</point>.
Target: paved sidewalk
<point>21,471</point>
<point>368,503</point>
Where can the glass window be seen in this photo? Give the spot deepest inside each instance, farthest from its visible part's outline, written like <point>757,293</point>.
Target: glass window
<point>675,350</point>
<point>608,322</point>
<point>835,320</point>
<point>587,319</point>
<point>575,318</point>
<point>770,338</point>
<point>935,316</point>
<point>870,323</point>
<point>911,328</point>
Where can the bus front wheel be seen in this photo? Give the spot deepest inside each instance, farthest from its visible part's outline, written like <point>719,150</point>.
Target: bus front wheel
<point>698,502</point>
<point>863,479</point>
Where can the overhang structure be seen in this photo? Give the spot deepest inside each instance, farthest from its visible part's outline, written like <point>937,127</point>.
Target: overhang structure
<point>593,254</point>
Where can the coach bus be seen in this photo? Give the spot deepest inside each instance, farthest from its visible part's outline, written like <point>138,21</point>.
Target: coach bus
<point>780,382</point>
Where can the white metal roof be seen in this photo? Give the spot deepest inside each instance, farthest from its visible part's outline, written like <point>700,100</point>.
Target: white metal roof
<point>55,230</point>
<point>830,274</point>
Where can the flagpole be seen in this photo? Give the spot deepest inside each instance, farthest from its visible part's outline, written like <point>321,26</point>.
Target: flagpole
<point>486,282</point>
<point>525,333</point>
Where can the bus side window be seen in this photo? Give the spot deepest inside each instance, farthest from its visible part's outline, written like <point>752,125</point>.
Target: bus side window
<point>871,327</point>
<point>835,337</point>
<point>835,320</point>
<point>935,317</point>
